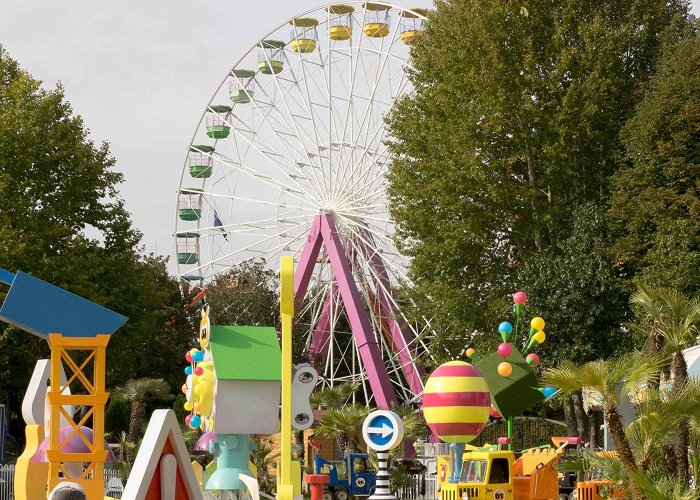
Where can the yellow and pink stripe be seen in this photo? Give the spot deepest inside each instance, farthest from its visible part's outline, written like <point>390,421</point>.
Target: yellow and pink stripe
<point>456,402</point>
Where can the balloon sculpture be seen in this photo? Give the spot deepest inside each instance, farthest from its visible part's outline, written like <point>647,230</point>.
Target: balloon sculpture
<point>510,376</point>
<point>456,403</point>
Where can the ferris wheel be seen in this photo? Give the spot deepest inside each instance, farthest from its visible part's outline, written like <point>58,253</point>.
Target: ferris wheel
<point>289,158</point>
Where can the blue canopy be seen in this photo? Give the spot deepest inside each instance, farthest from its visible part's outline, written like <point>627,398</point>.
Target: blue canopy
<point>38,307</point>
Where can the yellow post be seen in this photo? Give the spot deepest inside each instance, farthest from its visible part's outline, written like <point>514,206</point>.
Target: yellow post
<point>285,490</point>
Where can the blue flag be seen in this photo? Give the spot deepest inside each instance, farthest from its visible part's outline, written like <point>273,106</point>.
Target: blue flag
<point>220,225</point>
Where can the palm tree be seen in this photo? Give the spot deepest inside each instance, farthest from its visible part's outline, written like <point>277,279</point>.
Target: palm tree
<point>333,398</point>
<point>345,425</point>
<point>610,380</point>
<point>672,320</point>
<point>139,392</point>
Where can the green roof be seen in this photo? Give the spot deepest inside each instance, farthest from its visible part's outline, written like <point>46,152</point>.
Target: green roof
<point>246,353</point>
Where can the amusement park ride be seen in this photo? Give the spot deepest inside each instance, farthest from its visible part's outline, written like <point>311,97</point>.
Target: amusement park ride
<point>290,157</point>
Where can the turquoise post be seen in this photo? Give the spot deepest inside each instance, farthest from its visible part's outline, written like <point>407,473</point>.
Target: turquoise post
<point>231,452</point>
<point>457,451</point>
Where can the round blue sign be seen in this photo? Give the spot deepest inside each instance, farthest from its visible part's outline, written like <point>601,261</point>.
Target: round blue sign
<point>382,430</point>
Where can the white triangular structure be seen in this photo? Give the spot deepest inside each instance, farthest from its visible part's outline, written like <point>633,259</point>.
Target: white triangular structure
<point>162,455</point>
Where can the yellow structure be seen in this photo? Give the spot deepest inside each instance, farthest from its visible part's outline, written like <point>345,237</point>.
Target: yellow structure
<point>304,34</point>
<point>30,476</point>
<point>341,23</point>
<point>92,395</point>
<point>376,20</point>
<point>412,24</point>
<point>285,490</point>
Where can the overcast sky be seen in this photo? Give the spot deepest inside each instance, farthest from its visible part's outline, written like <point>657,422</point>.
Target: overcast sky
<point>140,73</point>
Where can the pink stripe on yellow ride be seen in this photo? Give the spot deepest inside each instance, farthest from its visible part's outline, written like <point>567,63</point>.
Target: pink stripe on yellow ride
<point>456,402</point>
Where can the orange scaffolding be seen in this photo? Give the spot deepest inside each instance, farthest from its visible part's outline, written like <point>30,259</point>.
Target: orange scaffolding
<point>88,378</point>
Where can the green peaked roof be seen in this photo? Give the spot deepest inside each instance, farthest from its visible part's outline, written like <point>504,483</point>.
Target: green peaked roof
<point>246,353</point>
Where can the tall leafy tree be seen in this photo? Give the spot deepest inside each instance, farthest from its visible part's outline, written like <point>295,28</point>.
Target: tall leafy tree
<point>62,220</point>
<point>513,123</point>
<point>656,196</point>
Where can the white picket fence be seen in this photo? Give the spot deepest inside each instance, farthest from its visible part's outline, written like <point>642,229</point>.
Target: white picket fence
<point>113,483</point>
<point>423,488</point>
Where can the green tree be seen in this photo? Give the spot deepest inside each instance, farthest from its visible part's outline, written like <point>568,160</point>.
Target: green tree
<point>671,321</point>
<point>62,220</point>
<point>345,426</point>
<point>610,380</point>
<point>139,392</point>
<point>245,295</point>
<point>656,196</point>
<point>513,123</point>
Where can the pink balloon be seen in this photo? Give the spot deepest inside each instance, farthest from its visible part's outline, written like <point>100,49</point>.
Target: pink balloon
<point>188,357</point>
<point>532,359</point>
<point>504,350</point>
<point>199,371</point>
<point>187,419</point>
<point>520,298</point>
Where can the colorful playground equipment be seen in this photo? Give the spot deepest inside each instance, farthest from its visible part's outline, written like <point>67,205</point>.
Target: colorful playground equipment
<point>42,309</point>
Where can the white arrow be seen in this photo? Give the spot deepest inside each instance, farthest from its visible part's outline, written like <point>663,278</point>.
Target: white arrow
<point>385,430</point>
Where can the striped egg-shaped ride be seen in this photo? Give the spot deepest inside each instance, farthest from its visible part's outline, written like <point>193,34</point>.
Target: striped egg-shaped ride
<point>456,402</point>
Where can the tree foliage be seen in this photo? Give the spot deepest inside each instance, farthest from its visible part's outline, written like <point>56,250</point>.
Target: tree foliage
<point>245,295</point>
<point>656,195</point>
<point>62,220</point>
<point>514,121</point>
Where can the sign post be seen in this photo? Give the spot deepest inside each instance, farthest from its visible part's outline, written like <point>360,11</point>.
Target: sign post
<point>382,430</point>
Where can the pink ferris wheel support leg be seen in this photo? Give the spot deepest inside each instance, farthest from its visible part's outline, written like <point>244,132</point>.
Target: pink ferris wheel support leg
<point>323,230</point>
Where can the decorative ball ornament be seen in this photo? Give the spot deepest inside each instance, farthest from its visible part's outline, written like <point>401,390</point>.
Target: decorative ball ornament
<point>494,412</point>
<point>505,327</point>
<point>537,323</point>
<point>520,298</point>
<point>184,388</point>
<point>188,357</point>
<point>198,356</point>
<point>188,419</point>
<point>505,369</point>
<point>532,359</point>
<point>470,352</point>
<point>188,370</point>
<point>456,402</point>
<point>199,371</point>
<point>188,406</point>
<point>505,350</point>
<point>195,421</point>
<point>539,337</point>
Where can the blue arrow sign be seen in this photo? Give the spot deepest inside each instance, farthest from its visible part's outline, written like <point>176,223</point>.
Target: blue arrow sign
<point>382,430</point>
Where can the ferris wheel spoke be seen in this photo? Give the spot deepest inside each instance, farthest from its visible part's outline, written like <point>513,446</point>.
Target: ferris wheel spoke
<point>301,194</point>
<point>306,96</point>
<point>318,186</point>
<point>373,167</point>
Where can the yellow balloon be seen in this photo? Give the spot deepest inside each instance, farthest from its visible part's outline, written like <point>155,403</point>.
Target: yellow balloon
<point>537,323</point>
<point>188,406</point>
<point>539,337</point>
<point>505,369</point>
